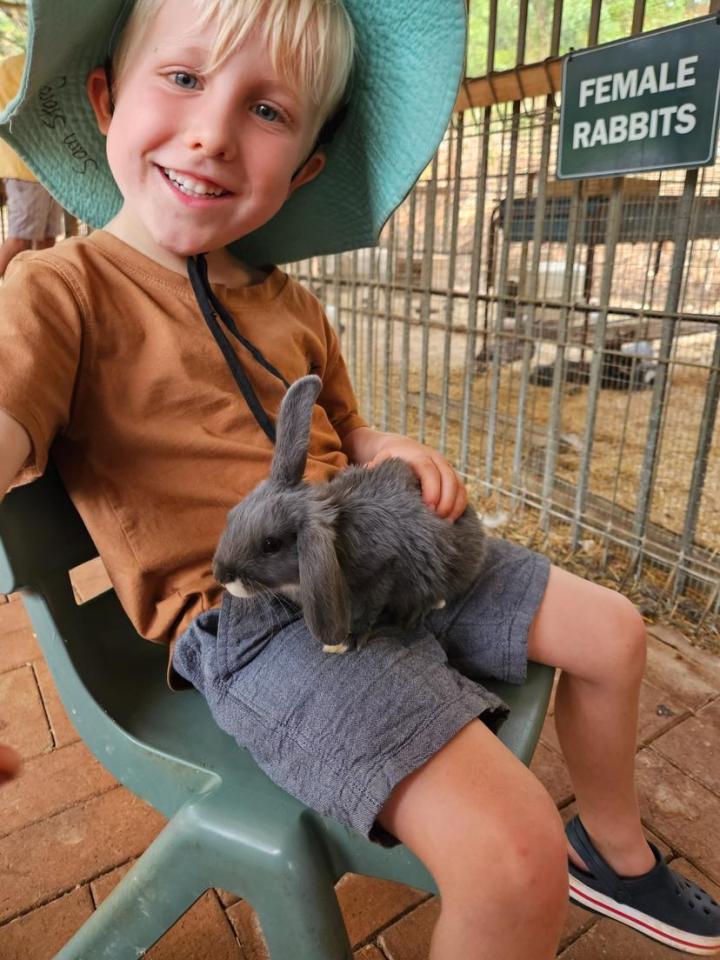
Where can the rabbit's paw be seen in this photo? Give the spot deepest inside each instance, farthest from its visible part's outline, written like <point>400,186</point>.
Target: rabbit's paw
<point>439,604</point>
<point>335,648</point>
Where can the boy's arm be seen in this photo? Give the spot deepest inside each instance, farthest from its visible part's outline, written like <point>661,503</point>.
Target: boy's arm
<point>442,489</point>
<point>14,450</point>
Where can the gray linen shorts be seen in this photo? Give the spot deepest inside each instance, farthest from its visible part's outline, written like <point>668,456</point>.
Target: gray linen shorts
<point>339,731</point>
<point>32,213</point>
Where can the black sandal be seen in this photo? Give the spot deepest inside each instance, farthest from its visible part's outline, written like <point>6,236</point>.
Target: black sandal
<point>661,904</point>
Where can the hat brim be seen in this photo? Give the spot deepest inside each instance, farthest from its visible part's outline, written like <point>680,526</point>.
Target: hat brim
<point>407,73</point>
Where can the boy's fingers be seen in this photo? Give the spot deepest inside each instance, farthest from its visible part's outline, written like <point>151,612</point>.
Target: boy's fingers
<point>461,502</point>
<point>440,486</point>
<point>449,490</point>
<point>430,482</point>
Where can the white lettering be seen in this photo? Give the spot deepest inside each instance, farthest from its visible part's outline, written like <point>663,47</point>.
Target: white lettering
<point>638,126</point>
<point>581,133</point>
<point>685,118</point>
<point>602,88</point>
<point>648,82</point>
<point>653,124</point>
<point>618,128</point>
<point>586,88</point>
<point>624,85</point>
<point>665,84</point>
<point>599,134</point>
<point>667,114</point>
<point>686,72</point>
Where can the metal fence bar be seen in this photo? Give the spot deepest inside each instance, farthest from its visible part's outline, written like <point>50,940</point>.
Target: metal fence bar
<point>427,279</point>
<point>407,313</point>
<point>474,285</point>
<point>529,324</point>
<point>336,317</point>
<point>594,25</point>
<point>452,264</point>
<point>370,319</point>
<point>661,379</point>
<point>389,326</point>
<point>638,17</point>
<point>613,232</point>
<point>702,456</point>
<point>558,379</point>
<point>501,305</point>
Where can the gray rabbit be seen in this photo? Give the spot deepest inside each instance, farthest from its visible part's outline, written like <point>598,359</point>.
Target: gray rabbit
<point>358,552</point>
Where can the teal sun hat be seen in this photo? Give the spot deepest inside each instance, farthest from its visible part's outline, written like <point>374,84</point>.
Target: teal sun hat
<point>408,68</point>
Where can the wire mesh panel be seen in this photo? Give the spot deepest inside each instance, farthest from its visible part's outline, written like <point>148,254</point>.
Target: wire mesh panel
<point>559,342</point>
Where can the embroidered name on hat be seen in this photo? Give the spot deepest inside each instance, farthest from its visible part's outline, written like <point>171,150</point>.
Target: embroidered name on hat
<point>52,117</point>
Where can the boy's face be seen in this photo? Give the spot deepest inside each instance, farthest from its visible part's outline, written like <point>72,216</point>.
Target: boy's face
<point>201,160</point>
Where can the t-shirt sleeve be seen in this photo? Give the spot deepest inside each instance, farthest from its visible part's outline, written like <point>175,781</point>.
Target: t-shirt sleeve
<point>337,396</point>
<point>40,341</point>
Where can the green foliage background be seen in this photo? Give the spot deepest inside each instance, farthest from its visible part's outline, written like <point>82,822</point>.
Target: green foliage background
<point>615,22</point>
<point>12,30</point>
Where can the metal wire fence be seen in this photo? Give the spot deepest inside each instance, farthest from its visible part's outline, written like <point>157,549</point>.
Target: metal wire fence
<point>560,344</point>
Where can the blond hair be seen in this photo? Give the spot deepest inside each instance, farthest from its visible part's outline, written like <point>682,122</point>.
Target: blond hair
<point>311,42</point>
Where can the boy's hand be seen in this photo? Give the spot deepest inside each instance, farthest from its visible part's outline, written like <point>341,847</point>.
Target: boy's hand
<point>442,489</point>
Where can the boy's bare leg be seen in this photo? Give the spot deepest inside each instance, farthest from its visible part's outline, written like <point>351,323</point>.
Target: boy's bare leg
<point>493,840</point>
<point>44,244</point>
<point>487,830</point>
<point>598,640</point>
<point>11,248</point>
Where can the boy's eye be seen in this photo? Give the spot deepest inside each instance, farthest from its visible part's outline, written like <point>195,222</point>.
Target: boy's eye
<point>187,80</point>
<point>266,112</point>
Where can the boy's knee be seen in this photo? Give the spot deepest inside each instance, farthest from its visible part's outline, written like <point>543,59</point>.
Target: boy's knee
<point>522,854</point>
<point>628,640</point>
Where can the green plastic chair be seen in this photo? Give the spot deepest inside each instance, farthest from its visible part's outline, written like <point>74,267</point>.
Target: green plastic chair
<point>229,825</point>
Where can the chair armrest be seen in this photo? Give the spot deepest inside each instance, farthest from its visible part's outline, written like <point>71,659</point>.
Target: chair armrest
<point>40,532</point>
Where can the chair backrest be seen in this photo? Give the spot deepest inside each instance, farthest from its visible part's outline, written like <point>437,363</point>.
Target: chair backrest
<point>40,532</point>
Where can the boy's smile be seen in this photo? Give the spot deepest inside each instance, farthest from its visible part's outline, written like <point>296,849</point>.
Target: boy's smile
<point>201,158</point>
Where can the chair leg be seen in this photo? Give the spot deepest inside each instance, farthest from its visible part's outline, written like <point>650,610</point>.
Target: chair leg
<point>161,886</point>
<point>292,891</point>
<point>306,927</point>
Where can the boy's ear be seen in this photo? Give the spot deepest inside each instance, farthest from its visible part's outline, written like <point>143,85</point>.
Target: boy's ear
<point>309,170</point>
<point>99,97</point>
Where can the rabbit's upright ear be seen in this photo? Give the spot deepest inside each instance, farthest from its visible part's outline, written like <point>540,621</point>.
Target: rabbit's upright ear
<point>324,591</point>
<point>293,431</point>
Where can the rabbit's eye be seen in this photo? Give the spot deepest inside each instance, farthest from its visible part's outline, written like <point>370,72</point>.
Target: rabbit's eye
<point>271,545</point>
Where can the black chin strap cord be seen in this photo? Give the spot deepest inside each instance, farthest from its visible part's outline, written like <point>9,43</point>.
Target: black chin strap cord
<point>212,309</point>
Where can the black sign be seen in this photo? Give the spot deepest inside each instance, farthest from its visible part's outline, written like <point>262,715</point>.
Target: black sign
<point>645,103</point>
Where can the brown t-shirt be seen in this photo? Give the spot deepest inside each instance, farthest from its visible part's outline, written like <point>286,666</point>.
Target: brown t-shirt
<point>106,355</point>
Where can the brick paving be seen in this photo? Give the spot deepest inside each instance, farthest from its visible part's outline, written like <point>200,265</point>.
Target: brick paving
<point>68,830</point>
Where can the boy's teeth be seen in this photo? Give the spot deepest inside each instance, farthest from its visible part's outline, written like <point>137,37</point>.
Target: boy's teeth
<point>190,186</point>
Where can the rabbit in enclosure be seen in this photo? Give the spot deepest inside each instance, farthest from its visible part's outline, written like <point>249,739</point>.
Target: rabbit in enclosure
<point>357,552</point>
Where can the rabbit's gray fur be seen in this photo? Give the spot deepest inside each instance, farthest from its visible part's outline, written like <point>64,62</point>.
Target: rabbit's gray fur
<point>357,552</point>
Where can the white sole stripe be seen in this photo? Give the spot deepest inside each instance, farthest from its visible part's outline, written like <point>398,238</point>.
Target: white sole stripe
<point>656,929</point>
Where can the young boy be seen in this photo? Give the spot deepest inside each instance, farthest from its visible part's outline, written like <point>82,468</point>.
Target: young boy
<point>213,113</point>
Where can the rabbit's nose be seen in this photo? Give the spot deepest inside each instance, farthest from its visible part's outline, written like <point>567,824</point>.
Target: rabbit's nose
<point>223,574</point>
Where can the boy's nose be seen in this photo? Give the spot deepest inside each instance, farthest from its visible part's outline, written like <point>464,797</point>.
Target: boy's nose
<point>212,132</point>
<point>212,141</point>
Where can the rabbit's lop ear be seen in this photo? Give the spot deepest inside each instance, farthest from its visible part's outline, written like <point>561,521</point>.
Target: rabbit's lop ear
<point>324,592</point>
<point>293,430</point>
